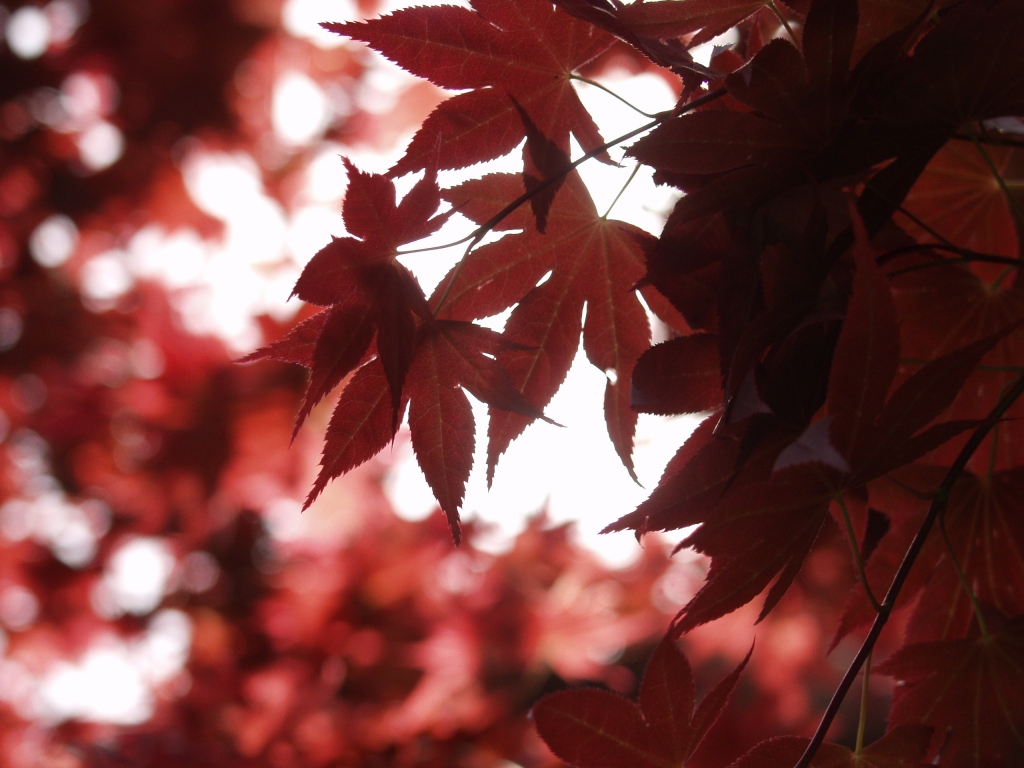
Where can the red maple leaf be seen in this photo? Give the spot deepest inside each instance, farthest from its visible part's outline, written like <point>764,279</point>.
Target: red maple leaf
<point>593,262</point>
<point>590,728</point>
<point>789,106</point>
<point>902,747</point>
<point>370,297</point>
<point>982,526</point>
<point>957,198</point>
<point>762,524</point>
<point>450,355</point>
<point>666,19</point>
<point>945,304</point>
<point>367,292</point>
<point>678,376</point>
<point>509,55</point>
<point>969,691</point>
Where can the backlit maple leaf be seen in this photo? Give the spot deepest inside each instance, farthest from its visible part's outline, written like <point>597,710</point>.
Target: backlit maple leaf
<point>591,728</point>
<point>367,292</point>
<point>593,262</point>
<point>969,691</point>
<point>762,515</point>
<point>982,524</point>
<point>903,747</point>
<point>370,297</point>
<point>800,103</point>
<point>668,19</point>
<point>451,355</point>
<point>944,305</point>
<point>507,53</point>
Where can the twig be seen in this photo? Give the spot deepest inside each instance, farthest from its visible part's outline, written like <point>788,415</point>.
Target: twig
<point>936,508</point>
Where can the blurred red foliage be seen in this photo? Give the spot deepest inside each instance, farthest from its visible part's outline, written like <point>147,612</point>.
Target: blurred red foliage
<point>162,600</point>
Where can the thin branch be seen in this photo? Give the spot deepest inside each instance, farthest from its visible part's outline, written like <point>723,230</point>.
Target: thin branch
<point>987,368</point>
<point>926,227</point>
<point>455,275</point>
<point>937,506</point>
<point>491,223</point>
<point>919,267</point>
<point>923,495</point>
<point>899,208</point>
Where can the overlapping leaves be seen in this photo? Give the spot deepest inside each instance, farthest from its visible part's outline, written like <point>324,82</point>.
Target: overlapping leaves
<point>760,522</point>
<point>378,324</point>
<point>982,529</point>
<point>593,262</point>
<point>969,691</point>
<point>793,165</point>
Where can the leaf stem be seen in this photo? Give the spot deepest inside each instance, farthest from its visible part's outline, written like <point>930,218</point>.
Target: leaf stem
<point>863,720</point>
<point>629,181</point>
<point>455,275</point>
<point>1011,201</point>
<point>945,241</point>
<point>770,4</point>
<point>963,578</point>
<point>1002,276</point>
<point>852,536</point>
<point>488,225</point>
<point>925,495</point>
<point>967,254</point>
<point>901,209</point>
<point>937,506</point>
<point>610,92</point>
<point>995,140</point>
<point>988,368</point>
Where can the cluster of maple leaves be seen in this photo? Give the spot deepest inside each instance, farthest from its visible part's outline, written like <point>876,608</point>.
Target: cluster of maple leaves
<point>363,639</point>
<point>841,276</point>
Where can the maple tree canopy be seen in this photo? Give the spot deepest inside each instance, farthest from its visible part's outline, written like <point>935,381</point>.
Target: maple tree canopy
<point>829,278</point>
<point>835,294</point>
